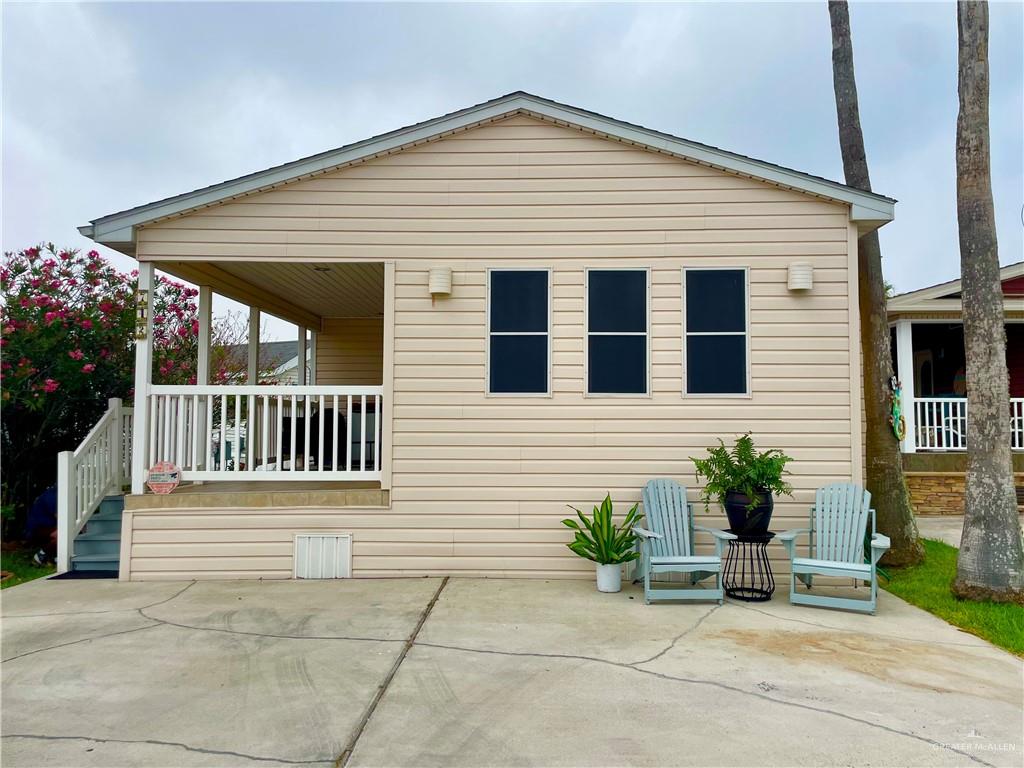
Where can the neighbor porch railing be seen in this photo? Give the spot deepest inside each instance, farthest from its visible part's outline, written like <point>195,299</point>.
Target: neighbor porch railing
<point>255,432</point>
<point>99,466</point>
<point>940,423</point>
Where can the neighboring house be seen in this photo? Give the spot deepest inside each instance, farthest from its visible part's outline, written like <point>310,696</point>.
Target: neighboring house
<point>519,306</point>
<point>287,372</point>
<point>277,357</point>
<point>928,348</point>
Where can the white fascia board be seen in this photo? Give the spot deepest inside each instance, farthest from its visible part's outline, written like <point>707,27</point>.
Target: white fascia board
<point>932,295</point>
<point>119,227</point>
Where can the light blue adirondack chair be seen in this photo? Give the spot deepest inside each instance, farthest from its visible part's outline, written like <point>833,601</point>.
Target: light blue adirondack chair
<point>839,519</point>
<point>666,545</point>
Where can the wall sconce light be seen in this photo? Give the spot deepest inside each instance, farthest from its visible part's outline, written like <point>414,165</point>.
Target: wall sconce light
<point>141,313</point>
<point>439,281</point>
<point>801,276</point>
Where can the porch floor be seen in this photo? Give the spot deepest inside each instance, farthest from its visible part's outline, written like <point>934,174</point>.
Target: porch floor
<point>248,494</point>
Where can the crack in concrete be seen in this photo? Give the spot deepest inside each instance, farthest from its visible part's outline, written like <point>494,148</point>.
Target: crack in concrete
<point>356,638</point>
<point>714,684</point>
<point>95,613</point>
<point>76,642</point>
<point>357,732</point>
<point>160,743</point>
<point>677,638</point>
<point>832,628</point>
<point>108,634</point>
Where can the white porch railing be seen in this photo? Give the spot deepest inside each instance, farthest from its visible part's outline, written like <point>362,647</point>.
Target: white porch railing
<point>100,465</point>
<point>255,432</point>
<point>940,423</point>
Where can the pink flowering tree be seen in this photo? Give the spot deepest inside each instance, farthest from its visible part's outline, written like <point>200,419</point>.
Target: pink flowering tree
<point>68,321</point>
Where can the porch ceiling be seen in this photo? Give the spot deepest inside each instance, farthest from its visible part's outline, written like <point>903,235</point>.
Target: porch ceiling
<point>300,292</point>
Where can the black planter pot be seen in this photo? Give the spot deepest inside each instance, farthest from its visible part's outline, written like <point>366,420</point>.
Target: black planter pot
<point>753,522</point>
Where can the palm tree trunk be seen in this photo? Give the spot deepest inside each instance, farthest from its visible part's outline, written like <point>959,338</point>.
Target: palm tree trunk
<point>991,560</point>
<point>884,466</point>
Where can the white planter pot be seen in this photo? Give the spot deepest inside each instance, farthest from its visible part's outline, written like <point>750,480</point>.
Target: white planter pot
<point>609,578</point>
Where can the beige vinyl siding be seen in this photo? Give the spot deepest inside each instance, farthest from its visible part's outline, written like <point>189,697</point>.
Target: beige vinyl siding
<point>350,351</point>
<point>479,484</point>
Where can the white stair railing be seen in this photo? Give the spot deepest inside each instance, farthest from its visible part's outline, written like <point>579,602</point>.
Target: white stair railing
<point>99,466</point>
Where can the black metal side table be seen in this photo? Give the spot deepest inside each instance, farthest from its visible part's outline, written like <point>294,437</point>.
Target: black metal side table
<point>746,573</point>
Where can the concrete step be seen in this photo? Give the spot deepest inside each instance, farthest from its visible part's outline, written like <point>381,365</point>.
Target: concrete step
<point>94,563</point>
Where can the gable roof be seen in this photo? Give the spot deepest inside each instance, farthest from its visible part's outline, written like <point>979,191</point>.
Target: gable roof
<point>868,209</point>
<point>946,296</point>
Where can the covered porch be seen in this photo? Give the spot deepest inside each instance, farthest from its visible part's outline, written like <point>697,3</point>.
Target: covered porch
<point>930,364</point>
<point>928,350</point>
<point>325,425</point>
<point>315,435</point>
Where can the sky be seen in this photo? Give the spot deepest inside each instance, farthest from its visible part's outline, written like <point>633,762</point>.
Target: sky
<point>110,105</point>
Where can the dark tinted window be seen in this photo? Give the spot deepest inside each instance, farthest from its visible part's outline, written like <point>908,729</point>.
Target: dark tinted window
<point>716,300</point>
<point>716,365</point>
<point>617,365</point>
<point>519,301</point>
<point>519,332</point>
<point>519,364</point>
<point>617,300</point>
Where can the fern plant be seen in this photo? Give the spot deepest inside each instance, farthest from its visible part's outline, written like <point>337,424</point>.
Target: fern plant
<point>599,539</point>
<point>744,470</point>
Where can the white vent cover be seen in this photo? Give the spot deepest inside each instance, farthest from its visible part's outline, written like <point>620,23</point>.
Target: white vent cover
<point>323,556</point>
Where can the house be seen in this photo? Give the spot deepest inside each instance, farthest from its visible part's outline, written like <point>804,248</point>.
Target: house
<point>518,306</point>
<point>928,349</point>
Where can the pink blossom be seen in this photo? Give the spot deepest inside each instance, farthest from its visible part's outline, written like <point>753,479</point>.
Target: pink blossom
<point>51,385</point>
<point>87,324</point>
<point>49,317</point>
<point>76,354</point>
<point>88,368</point>
<point>104,354</point>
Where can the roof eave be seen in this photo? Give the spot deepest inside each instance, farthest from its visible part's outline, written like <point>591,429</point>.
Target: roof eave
<point>869,210</point>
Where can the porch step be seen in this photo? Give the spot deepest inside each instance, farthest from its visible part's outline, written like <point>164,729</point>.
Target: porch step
<point>95,563</point>
<point>98,546</point>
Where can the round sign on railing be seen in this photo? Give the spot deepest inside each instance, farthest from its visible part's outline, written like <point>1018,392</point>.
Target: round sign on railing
<point>163,477</point>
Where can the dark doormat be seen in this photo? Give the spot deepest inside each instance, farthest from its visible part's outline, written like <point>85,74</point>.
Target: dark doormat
<point>86,575</point>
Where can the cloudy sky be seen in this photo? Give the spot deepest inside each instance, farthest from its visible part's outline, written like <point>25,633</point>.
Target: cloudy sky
<point>106,106</point>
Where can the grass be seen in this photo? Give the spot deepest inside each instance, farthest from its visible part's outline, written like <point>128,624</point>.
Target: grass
<point>928,586</point>
<point>18,562</point>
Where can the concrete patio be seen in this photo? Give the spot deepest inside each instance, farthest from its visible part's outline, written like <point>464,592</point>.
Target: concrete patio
<point>492,672</point>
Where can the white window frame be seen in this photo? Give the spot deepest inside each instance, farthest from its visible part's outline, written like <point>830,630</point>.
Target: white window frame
<point>488,332</point>
<point>587,332</point>
<point>745,332</point>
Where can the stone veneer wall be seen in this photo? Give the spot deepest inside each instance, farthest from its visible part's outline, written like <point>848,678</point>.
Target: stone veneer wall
<point>942,493</point>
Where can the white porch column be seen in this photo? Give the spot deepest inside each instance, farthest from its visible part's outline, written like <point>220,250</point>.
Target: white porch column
<point>143,375</point>
<point>203,367</point>
<point>254,346</point>
<point>300,374</point>
<point>905,373</point>
<point>313,336</point>
<point>205,314</point>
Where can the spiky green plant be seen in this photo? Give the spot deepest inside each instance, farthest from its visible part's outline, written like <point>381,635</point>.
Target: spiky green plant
<point>599,539</point>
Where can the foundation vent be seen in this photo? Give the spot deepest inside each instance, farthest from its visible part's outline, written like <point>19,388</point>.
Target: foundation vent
<point>323,555</point>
